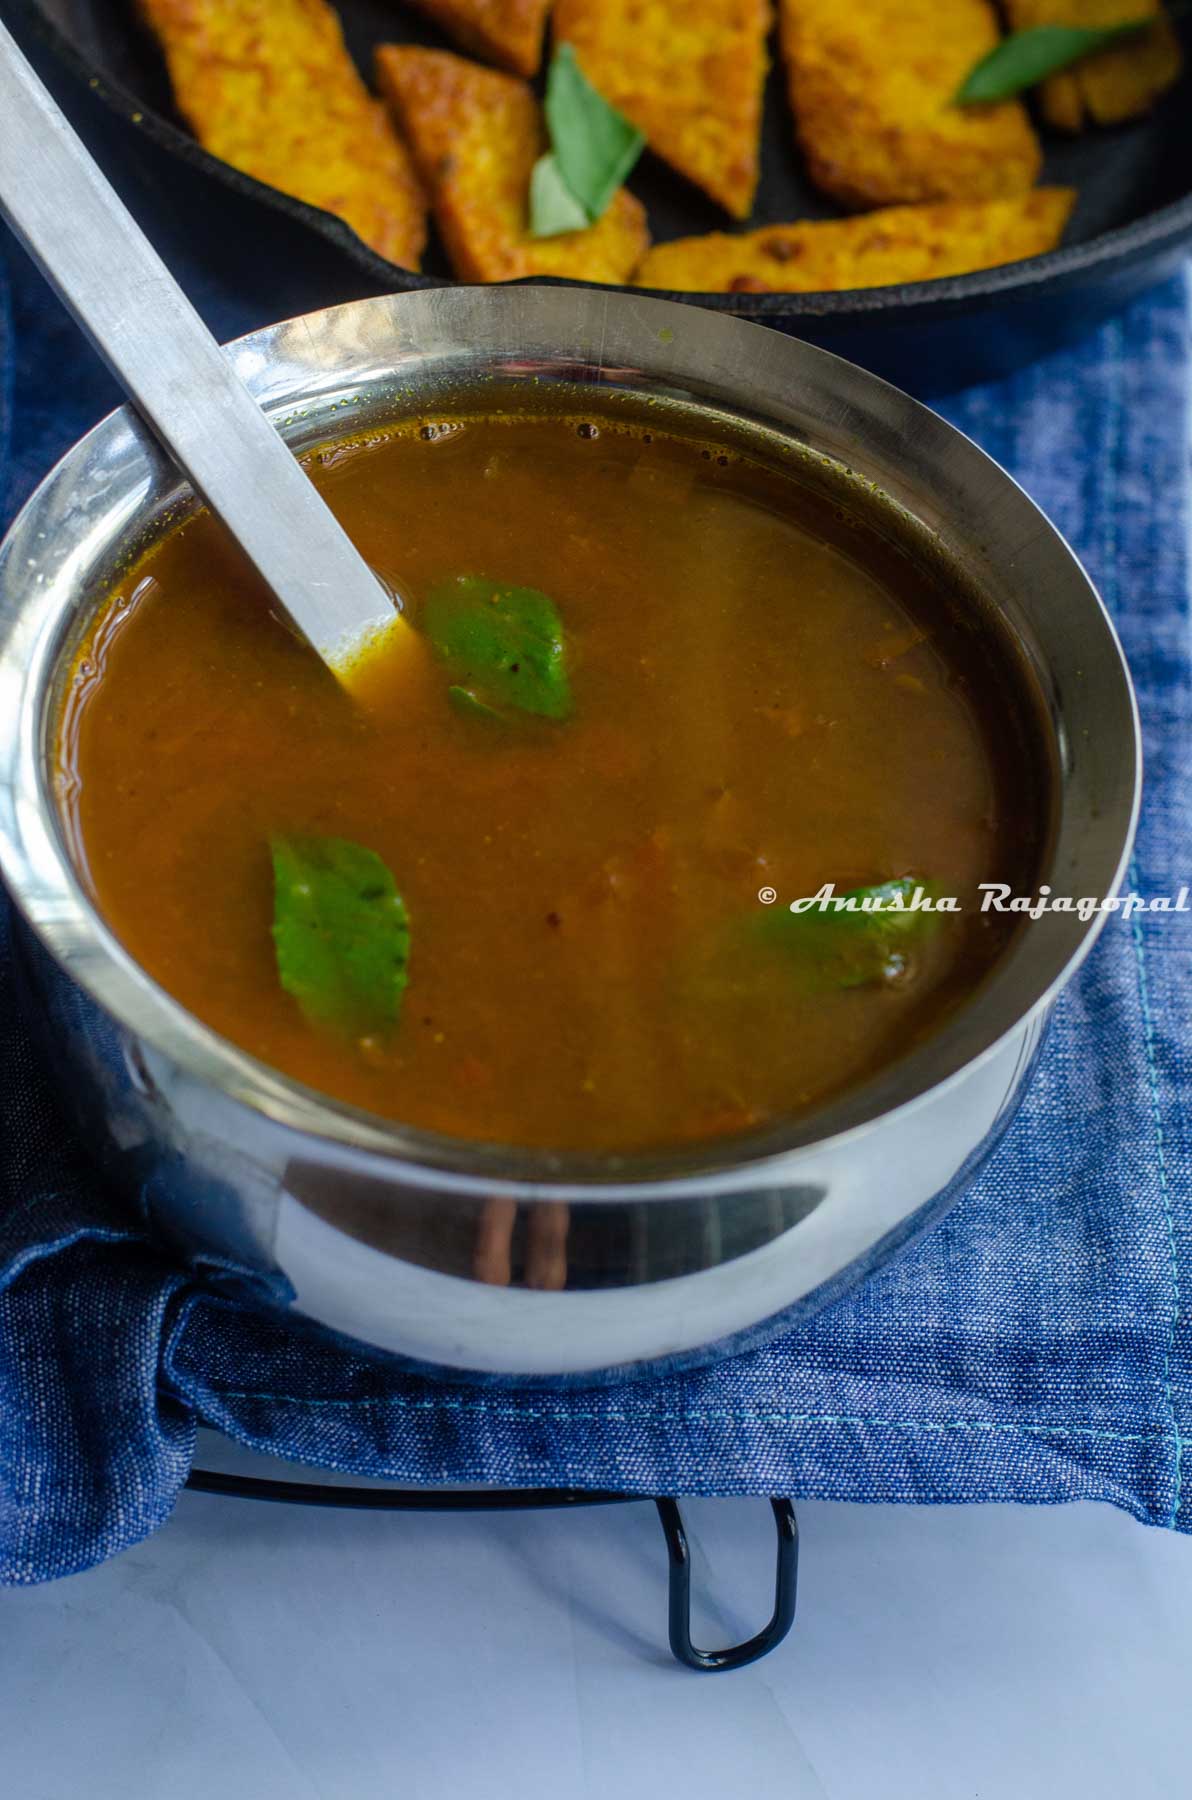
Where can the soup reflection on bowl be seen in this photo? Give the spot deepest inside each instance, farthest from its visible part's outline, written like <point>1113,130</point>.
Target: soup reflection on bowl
<point>464,1007</point>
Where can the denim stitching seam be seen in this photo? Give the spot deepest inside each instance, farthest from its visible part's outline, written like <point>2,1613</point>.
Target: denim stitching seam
<point>691,1415</point>
<point>1148,1031</point>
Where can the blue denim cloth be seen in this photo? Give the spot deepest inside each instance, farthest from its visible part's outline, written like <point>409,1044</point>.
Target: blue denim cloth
<point>1030,1348</point>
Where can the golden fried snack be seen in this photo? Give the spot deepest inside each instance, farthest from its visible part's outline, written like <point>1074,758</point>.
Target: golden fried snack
<point>269,86</point>
<point>900,243</point>
<point>476,136</point>
<point>507,32</point>
<point>1115,85</point>
<point>689,75</point>
<point>872,85</point>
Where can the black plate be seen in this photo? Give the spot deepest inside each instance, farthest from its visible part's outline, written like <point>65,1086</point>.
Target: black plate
<point>1133,217</point>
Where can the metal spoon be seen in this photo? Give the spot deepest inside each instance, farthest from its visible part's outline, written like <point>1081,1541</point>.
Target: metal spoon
<point>86,242</point>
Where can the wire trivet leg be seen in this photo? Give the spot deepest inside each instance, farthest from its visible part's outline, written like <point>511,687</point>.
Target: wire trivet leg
<point>378,1499</point>
<point>786,1576</point>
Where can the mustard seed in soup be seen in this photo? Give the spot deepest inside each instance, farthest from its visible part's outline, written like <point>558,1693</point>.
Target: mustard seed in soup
<point>511,891</point>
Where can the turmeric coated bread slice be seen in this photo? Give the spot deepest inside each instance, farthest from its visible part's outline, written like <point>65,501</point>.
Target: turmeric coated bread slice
<point>506,32</point>
<point>872,86</point>
<point>900,243</point>
<point>689,75</point>
<point>1118,83</point>
<point>268,86</point>
<point>476,136</point>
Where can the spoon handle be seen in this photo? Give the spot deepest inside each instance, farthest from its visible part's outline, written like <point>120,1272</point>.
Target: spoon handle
<point>88,245</point>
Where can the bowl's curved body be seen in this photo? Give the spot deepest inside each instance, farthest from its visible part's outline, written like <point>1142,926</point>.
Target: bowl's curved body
<point>385,1253</point>
<point>374,1229</point>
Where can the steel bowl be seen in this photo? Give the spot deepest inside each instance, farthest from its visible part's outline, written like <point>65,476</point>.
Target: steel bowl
<point>372,1228</point>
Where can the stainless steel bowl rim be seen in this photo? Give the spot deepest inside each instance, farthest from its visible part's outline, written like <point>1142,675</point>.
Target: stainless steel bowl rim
<point>310,374</point>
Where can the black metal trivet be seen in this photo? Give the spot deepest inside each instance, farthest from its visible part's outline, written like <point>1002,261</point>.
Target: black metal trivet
<point>786,1571</point>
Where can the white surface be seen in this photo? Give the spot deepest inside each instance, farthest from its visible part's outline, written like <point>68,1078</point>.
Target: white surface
<point>981,1653</point>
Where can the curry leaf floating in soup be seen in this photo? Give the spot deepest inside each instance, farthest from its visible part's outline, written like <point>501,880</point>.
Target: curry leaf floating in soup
<point>339,932</point>
<point>506,644</point>
<point>848,948</point>
<point>665,674</point>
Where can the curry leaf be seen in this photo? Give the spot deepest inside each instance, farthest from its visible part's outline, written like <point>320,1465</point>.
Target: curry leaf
<point>340,932</point>
<point>553,206</point>
<point>595,146</point>
<point>1027,57</point>
<point>505,644</point>
<point>854,945</point>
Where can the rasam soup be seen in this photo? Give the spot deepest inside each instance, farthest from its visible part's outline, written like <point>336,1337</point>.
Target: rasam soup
<point>509,890</point>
